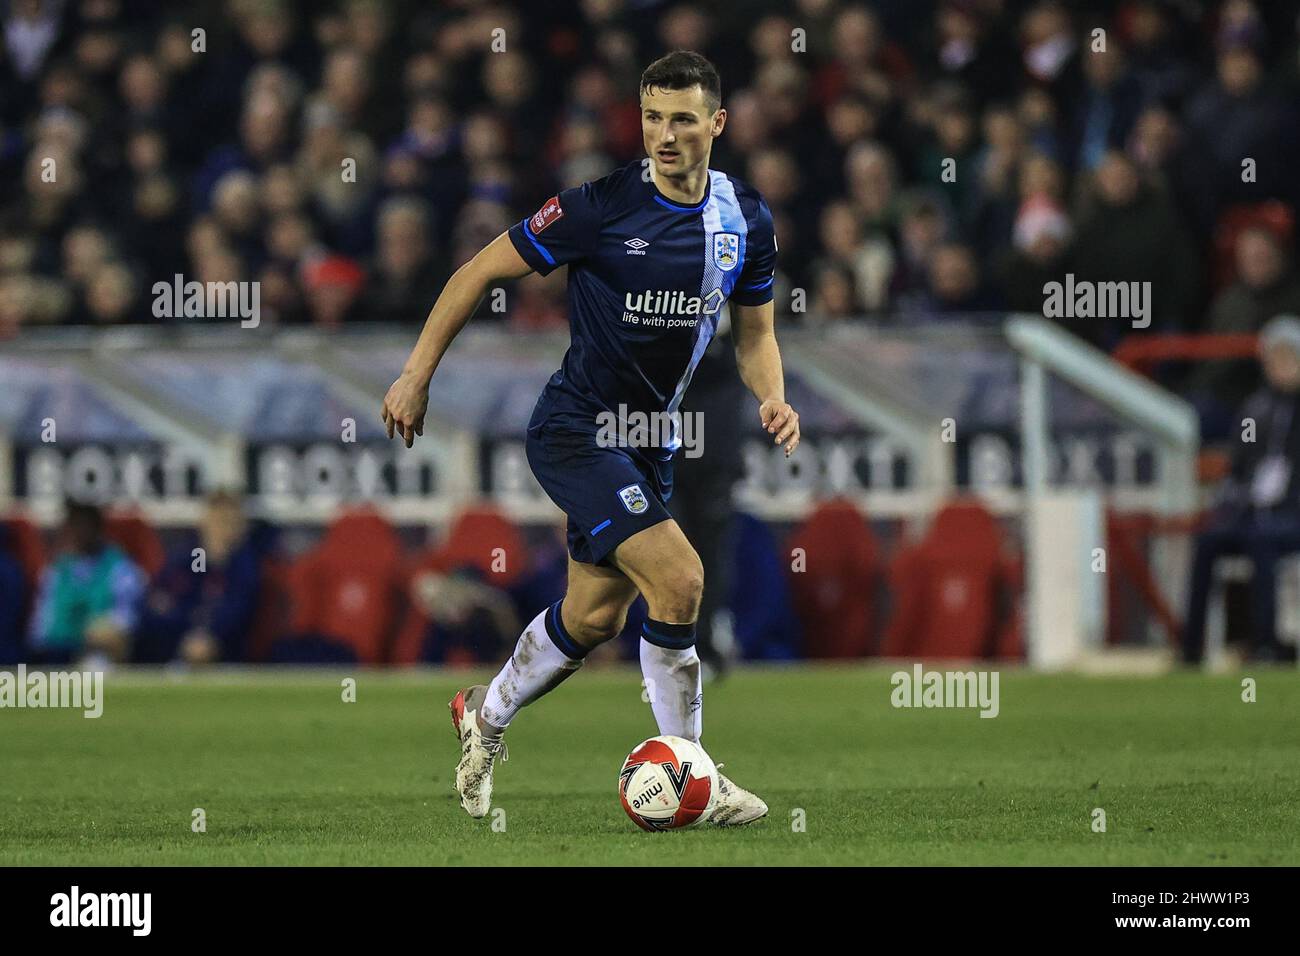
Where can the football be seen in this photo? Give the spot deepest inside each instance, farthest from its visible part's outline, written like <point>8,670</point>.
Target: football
<point>668,783</point>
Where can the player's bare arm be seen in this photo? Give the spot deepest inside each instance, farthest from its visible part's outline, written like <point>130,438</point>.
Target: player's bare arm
<point>408,397</point>
<point>759,359</point>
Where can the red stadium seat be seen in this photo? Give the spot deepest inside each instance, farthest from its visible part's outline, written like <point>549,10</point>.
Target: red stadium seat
<point>416,623</point>
<point>473,542</point>
<point>485,539</point>
<point>27,546</point>
<point>956,592</point>
<point>349,587</point>
<point>133,534</point>
<point>271,617</point>
<point>834,594</point>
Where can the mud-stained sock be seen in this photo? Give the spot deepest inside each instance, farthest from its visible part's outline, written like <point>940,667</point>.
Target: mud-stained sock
<point>672,677</point>
<point>544,656</point>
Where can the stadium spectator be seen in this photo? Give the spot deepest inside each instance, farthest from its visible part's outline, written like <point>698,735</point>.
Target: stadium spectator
<point>85,248</point>
<point>968,49</point>
<point>1266,285</point>
<point>1106,110</point>
<point>88,600</point>
<point>1159,43</point>
<point>869,263</point>
<point>333,284</point>
<point>1165,157</point>
<point>201,607</point>
<point>833,296</point>
<point>996,169</point>
<point>1258,508</point>
<point>1237,116</point>
<point>1050,50</point>
<point>921,230</point>
<point>1129,233</point>
<point>111,295</point>
<point>31,31</point>
<point>952,144</point>
<point>405,277</point>
<point>1040,255</point>
<point>870,174</point>
<point>954,286</point>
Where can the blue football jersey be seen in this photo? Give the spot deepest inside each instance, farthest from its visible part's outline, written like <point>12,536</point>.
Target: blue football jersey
<point>648,279</point>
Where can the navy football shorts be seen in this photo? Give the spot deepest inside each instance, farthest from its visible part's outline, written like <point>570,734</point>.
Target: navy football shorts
<point>609,494</point>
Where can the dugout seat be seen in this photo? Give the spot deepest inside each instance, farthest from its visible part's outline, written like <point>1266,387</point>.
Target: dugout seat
<point>347,590</point>
<point>134,535</point>
<point>834,587</point>
<point>27,546</point>
<point>485,539</point>
<point>956,593</point>
<point>482,541</point>
<point>272,615</point>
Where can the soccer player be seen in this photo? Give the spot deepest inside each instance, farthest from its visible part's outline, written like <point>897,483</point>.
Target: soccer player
<point>654,250</point>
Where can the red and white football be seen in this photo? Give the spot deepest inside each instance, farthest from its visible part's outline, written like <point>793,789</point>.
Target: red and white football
<point>668,783</point>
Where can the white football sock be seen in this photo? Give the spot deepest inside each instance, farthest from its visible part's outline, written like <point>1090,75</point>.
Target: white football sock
<point>538,666</point>
<point>672,680</point>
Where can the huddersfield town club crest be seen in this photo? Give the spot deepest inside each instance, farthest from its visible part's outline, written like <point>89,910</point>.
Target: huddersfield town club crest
<point>726,250</point>
<point>633,499</point>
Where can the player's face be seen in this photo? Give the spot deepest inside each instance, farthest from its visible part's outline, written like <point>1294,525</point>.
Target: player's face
<point>678,129</point>
<point>1282,367</point>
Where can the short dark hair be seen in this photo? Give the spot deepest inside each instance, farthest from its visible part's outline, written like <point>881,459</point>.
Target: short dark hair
<point>682,69</point>
<point>76,511</point>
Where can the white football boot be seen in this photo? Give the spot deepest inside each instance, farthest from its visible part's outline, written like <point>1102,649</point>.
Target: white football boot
<point>736,806</point>
<point>477,753</point>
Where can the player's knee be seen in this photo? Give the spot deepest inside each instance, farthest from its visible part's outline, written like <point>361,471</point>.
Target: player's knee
<point>598,624</point>
<point>679,590</point>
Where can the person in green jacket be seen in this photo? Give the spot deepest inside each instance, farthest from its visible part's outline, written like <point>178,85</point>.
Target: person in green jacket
<point>89,597</point>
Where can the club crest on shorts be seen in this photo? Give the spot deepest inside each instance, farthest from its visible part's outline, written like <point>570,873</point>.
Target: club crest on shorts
<point>633,499</point>
<point>726,250</point>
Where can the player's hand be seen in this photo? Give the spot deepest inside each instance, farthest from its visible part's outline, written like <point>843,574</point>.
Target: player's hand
<point>106,635</point>
<point>781,421</point>
<point>404,407</point>
<point>199,647</point>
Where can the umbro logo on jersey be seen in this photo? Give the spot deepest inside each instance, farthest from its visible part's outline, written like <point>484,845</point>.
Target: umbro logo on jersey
<point>636,246</point>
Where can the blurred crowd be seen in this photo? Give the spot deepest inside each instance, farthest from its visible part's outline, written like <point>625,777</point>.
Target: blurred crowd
<point>349,155</point>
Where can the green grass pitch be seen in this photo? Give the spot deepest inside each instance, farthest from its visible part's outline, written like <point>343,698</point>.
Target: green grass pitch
<point>288,773</point>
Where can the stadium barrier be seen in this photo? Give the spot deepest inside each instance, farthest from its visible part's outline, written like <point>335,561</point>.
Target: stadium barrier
<point>1049,433</point>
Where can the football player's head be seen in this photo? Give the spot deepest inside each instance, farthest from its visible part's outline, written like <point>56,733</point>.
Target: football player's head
<point>681,112</point>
